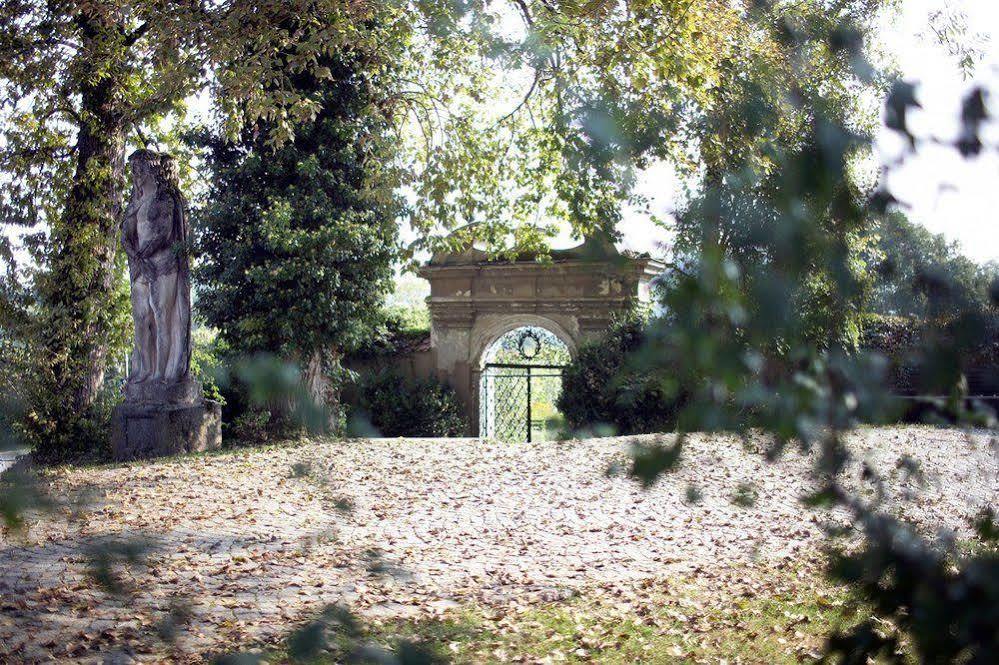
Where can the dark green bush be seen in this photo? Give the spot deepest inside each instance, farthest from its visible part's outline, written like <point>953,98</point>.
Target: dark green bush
<point>914,346</point>
<point>976,335</point>
<point>602,388</point>
<point>892,336</point>
<point>896,338</point>
<point>255,426</point>
<point>400,406</point>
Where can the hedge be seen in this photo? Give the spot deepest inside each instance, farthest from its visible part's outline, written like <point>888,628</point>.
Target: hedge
<point>601,389</point>
<point>400,406</point>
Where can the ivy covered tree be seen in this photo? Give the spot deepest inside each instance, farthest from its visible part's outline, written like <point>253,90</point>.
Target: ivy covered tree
<point>296,244</point>
<point>75,83</point>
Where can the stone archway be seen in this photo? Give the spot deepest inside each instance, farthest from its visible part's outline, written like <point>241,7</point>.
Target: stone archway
<point>488,328</point>
<point>520,380</point>
<point>474,301</point>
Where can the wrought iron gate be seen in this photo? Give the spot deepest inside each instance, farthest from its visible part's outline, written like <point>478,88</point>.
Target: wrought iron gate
<point>512,394</point>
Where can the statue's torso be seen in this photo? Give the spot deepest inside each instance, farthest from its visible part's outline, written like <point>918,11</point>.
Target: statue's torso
<point>145,228</point>
<point>150,236</point>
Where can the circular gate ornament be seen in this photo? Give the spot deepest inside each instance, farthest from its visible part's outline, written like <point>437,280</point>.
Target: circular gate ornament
<point>528,345</point>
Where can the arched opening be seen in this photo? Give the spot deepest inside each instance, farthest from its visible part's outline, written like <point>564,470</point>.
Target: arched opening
<point>520,381</point>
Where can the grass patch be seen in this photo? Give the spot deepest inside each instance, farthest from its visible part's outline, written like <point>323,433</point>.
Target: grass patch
<point>740,616</point>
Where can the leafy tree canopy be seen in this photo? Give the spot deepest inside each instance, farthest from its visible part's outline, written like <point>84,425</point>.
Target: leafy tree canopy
<point>605,88</point>
<point>296,244</point>
<point>921,274</point>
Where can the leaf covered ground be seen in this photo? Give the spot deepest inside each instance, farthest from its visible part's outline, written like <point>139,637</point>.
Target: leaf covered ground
<point>485,551</point>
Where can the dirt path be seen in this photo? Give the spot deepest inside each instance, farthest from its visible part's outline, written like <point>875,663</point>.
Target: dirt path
<point>248,542</point>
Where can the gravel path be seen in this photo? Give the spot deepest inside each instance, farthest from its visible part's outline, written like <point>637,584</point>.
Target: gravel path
<point>251,541</point>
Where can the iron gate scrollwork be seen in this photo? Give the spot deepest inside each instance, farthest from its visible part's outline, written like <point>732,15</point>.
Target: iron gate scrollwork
<point>511,396</point>
<point>520,384</point>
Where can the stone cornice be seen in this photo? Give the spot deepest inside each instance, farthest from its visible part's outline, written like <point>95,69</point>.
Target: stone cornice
<point>622,266</point>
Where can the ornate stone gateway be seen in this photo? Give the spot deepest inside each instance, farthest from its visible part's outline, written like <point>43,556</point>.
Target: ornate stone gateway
<point>475,301</point>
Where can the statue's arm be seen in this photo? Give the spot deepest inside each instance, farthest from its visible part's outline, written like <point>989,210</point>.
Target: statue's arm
<point>128,235</point>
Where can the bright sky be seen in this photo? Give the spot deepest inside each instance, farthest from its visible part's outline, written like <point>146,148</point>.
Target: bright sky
<point>949,195</point>
<point>946,193</point>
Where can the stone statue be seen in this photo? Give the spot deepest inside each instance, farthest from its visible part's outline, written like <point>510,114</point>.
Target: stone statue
<point>155,235</point>
<point>164,412</point>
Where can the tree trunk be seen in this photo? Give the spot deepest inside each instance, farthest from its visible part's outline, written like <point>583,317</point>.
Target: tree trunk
<point>77,291</point>
<point>712,222</point>
<point>316,382</point>
<point>321,390</point>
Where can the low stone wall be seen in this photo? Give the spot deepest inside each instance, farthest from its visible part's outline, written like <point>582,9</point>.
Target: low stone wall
<point>410,365</point>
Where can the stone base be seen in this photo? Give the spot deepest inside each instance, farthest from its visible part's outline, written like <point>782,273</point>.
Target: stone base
<point>140,431</point>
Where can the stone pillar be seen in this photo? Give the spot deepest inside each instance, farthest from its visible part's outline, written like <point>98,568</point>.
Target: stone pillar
<point>162,420</point>
<point>451,346</point>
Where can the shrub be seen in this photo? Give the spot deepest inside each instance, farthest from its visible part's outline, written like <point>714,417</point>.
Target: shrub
<point>601,388</point>
<point>207,357</point>
<point>257,425</point>
<point>976,335</point>
<point>892,336</point>
<point>896,338</point>
<point>913,348</point>
<point>400,406</point>
<point>265,398</point>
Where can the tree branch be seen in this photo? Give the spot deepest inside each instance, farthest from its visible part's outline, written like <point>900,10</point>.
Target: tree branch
<point>525,12</point>
<point>530,91</point>
<point>137,34</point>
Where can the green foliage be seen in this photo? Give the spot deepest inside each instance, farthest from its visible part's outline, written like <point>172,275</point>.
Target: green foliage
<point>410,319</point>
<point>980,335</point>
<point>254,426</point>
<point>208,355</point>
<point>770,99</point>
<point>896,338</point>
<point>974,335</point>
<point>397,331</point>
<point>77,79</point>
<point>892,336</point>
<point>741,340</point>
<point>764,311</point>
<point>591,110</point>
<point>399,406</point>
<point>296,244</point>
<point>946,602</point>
<point>268,397</point>
<point>921,274</point>
<point>917,350</point>
<point>601,388</point>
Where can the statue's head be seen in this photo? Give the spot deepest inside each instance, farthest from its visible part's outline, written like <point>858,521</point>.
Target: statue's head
<point>149,165</point>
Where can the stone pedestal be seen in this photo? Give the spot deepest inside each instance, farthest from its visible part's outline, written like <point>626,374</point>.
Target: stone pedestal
<point>159,420</point>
